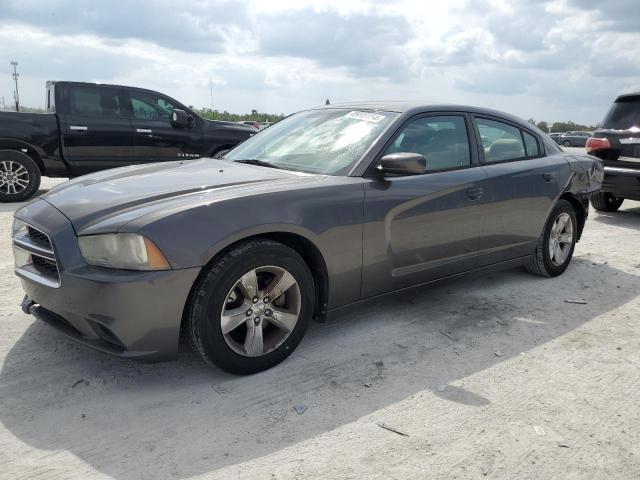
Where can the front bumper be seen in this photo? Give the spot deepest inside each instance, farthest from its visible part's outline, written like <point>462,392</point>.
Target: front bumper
<point>622,182</point>
<point>130,314</point>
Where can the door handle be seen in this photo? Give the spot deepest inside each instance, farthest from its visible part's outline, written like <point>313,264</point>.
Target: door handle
<point>143,130</point>
<point>78,128</point>
<point>475,193</point>
<point>548,177</point>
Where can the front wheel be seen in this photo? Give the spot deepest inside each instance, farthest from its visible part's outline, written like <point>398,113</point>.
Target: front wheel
<point>606,202</point>
<point>555,246</point>
<point>19,176</point>
<point>252,307</point>
<point>566,143</point>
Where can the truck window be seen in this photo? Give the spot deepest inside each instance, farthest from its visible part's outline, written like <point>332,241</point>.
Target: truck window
<point>95,102</point>
<point>149,106</point>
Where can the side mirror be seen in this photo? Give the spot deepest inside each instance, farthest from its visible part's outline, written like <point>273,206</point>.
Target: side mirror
<point>180,118</point>
<point>403,163</point>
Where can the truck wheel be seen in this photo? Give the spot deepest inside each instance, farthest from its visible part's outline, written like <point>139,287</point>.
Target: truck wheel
<point>556,243</point>
<point>606,202</point>
<point>19,176</point>
<point>251,308</point>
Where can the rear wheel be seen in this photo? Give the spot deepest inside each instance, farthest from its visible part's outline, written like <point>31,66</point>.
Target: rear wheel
<point>19,176</point>
<point>252,308</point>
<point>606,202</point>
<point>555,246</point>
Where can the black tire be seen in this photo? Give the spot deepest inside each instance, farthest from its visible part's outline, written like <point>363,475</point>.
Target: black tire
<point>606,202</point>
<point>566,143</point>
<point>221,153</point>
<point>541,263</point>
<point>10,162</point>
<point>210,294</point>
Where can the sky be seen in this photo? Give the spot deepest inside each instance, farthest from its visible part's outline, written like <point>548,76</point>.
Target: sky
<point>551,60</point>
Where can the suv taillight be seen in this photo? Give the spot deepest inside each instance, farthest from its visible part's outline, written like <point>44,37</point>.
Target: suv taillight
<point>594,144</point>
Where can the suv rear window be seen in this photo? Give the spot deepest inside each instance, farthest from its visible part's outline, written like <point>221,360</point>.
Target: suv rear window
<point>624,114</point>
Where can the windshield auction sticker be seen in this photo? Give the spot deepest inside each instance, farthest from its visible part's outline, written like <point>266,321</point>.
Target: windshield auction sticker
<point>366,116</point>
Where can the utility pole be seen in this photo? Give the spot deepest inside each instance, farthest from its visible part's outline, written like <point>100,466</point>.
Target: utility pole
<point>15,76</point>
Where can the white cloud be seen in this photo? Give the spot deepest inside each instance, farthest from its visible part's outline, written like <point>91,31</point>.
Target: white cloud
<point>553,60</point>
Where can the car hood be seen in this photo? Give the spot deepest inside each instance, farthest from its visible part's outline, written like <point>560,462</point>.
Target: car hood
<point>130,192</point>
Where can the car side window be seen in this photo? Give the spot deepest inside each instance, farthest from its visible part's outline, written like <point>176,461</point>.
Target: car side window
<point>531,144</point>
<point>442,140</point>
<point>149,106</point>
<point>501,141</point>
<point>93,101</point>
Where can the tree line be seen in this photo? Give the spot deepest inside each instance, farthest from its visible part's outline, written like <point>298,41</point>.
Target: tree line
<point>563,126</point>
<point>237,117</point>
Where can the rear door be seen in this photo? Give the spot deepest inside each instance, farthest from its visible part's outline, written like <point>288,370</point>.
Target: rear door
<point>156,139</point>
<point>96,131</point>
<point>521,185</point>
<point>422,227</point>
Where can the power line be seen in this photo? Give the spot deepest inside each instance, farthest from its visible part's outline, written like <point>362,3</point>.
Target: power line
<point>15,76</point>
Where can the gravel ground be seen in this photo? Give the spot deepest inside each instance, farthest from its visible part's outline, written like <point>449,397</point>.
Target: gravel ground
<point>523,386</point>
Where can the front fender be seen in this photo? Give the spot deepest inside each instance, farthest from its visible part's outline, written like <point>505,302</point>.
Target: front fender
<point>329,217</point>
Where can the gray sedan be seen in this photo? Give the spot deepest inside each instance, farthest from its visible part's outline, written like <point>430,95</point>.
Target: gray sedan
<point>327,207</point>
<point>574,139</point>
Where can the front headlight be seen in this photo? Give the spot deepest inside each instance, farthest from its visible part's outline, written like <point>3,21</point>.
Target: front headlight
<point>128,251</point>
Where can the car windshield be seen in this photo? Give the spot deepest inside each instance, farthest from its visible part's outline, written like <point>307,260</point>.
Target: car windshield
<point>327,141</point>
<point>624,114</point>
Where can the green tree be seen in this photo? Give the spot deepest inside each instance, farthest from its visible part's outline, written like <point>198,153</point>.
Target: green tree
<point>255,115</point>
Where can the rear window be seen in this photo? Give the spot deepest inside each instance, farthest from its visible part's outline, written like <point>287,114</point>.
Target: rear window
<point>624,114</point>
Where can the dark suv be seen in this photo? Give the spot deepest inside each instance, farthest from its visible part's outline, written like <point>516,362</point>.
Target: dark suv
<point>617,143</point>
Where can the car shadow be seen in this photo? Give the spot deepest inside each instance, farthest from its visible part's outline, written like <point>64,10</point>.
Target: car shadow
<point>626,217</point>
<point>130,420</point>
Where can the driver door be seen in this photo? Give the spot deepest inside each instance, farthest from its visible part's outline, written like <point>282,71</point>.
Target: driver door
<point>419,228</point>
<point>156,140</point>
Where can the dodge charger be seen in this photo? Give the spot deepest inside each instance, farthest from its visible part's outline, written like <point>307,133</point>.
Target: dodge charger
<point>328,207</point>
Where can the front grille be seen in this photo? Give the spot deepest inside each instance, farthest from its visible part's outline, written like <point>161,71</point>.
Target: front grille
<point>39,238</point>
<point>35,256</point>
<point>45,266</point>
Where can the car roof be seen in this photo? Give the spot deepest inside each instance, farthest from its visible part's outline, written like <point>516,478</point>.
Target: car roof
<point>407,107</point>
<point>627,96</point>
<point>98,84</point>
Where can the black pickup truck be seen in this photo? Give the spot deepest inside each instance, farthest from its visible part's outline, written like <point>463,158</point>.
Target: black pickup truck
<point>90,127</point>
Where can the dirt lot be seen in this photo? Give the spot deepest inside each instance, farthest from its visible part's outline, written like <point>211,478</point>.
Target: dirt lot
<point>532,387</point>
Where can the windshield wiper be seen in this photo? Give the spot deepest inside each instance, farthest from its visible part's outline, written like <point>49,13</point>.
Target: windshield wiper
<point>255,161</point>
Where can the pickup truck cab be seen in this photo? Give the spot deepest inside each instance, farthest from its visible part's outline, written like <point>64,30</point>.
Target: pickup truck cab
<point>90,127</point>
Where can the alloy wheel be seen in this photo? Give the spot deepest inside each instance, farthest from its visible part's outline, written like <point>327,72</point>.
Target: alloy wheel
<point>14,177</point>
<point>561,239</point>
<point>260,311</point>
